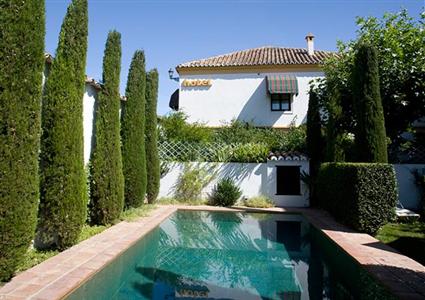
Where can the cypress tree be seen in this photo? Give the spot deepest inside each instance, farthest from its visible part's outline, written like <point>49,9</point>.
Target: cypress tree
<point>152,159</point>
<point>314,139</point>
<point>106,176</point>
<point>133,133</point>
<point>63,201</point>
<point>334,151</point>
<point>370,135</point>
<point>21,67</point>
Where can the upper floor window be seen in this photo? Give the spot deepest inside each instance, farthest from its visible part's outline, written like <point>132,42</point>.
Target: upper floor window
<point>281,102</point>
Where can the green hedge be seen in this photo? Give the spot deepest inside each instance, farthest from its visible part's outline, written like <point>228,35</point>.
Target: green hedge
<point>21,68</point>
<point>360,195</point>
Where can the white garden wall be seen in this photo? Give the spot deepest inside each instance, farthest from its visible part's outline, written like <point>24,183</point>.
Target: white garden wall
<point>89,101</point>
<point>243,97</point>
<point>260,179</point>
<point>253,179</point>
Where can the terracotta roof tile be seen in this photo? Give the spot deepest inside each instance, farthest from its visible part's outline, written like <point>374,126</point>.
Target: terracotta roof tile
<point>261,57</point>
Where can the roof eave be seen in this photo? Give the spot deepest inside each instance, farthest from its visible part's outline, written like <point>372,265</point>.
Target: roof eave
<point>248,68</point>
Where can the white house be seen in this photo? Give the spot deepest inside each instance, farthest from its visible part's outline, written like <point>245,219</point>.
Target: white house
<point>265,86</point>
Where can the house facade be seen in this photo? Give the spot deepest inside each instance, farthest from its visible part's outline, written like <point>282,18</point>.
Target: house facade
<point>267,86</point>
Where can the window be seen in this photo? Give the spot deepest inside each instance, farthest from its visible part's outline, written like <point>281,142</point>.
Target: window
<point>288,180</point>
<point>281,102</point>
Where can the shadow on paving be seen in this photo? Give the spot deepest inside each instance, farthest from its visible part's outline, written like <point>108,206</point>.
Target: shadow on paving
<point>402,282</point>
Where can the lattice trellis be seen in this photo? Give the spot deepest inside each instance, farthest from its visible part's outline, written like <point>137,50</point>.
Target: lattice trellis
<point>186,151</point>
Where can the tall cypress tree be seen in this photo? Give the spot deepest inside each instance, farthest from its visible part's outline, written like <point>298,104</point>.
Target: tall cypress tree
<point>21,67</point>
<point>106,176</point>
<point>314,139</point>
<point>152,158</point>
<point>334,151</point>
<point>370,138</point>
<point>63,201</point>
<point>133,133</point>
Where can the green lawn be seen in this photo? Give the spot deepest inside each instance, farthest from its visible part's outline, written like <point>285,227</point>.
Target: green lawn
<point>408,238</point>
<point>34,257</point>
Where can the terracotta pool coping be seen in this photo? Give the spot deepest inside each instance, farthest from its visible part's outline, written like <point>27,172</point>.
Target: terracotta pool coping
<point>58,276</point>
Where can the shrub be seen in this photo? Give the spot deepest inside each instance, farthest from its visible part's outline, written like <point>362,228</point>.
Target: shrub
<point>63,202</point>
<point>249,153</point>
<point>294,139</point>
<point>191,182</point>
<point>174,127</point>
<point>361,195</point>
<point>259,202</point>
<point>21,66</point>
<point>225,193</point>
<point>238,132</point>
<point>371,142</point>
<point>106,177</point>
<point>133,134</point>
<point>152,158</point>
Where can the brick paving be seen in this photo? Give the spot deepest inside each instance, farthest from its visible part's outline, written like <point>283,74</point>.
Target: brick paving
<point>58,276</point>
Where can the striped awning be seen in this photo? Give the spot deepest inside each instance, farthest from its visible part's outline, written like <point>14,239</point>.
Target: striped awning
<point>282,84</point>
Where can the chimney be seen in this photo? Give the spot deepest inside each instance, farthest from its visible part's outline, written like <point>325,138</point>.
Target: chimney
<point>310,43</point>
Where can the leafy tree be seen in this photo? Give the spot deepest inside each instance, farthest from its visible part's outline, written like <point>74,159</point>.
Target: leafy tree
<point>63,201</point>
<point>399,40</point>
<point>370,138</point>
<point>152,158</point>
<point>21,66</point>
<point>106,176</point>
<point>133,133</point>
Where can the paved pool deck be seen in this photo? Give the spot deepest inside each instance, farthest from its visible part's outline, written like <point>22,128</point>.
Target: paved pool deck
<point>58,276</point>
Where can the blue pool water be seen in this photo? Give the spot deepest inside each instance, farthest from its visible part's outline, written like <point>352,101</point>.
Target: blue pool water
<point>221,255</point>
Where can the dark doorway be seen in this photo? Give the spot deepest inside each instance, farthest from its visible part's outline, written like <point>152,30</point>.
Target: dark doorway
<point>288,180</point>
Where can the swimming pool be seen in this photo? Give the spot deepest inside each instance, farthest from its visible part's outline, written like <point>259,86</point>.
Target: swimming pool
<point>228,255</point>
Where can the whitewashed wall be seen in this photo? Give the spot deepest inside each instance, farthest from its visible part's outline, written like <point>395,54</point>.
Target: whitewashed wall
<point>243,97</point>
<point>253,179</point>
<point>89,100</point>
<point>409,193</point>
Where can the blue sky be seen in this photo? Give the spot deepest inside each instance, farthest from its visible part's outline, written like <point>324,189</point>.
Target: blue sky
<point>172,32</point>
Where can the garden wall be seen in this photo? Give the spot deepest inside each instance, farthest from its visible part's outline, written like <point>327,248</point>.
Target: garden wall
<point>408,192</point>
<point>253,179</point>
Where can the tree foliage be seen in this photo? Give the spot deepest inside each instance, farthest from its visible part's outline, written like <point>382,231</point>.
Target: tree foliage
<point>63,200</point>
<point>151,135</point>
<point>133,133</point>
<point>371,144</point>
<point>106,176</point>
<point>21,66</point>
<point>398,39</point>
<point>174,127</point>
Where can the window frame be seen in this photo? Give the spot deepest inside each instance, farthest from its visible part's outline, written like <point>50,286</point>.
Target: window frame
<point>281,98</point>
